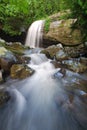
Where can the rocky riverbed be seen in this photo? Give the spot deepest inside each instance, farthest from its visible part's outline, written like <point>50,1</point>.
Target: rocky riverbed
<point>14,58</point>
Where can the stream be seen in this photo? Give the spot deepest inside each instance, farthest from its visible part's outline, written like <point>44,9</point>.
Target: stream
<point>49,99</point>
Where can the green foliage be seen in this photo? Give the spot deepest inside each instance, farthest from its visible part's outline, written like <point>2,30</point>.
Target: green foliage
<point>13,15</point>
<point>79,11</point>
<point>65,4</point>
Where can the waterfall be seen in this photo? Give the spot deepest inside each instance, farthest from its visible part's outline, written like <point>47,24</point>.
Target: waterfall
<point>41,102</point>
<point>35,33</point>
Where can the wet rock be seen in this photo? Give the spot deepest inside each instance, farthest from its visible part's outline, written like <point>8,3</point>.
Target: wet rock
<point>3,51</point>
<point>72,81</point>
<point>6,64</point>
<point>60,73</point>
<point>6,59</point>
<point>55,51</point>
<point>61,55</point>
<point>12,53</point>
<point>4,97</point>
<point>82,85</point>
<point>75,65</point>
<point>57,64</point>
<point>51,51</point>
<point>20,71</point>
<point>75,51</point>
<point>46,52</point>
<point>23,59</point>
<point>15,47</point>
<point>83,60</point>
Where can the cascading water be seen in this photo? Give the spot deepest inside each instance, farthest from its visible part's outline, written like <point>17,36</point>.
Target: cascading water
<point>41,102</point>
<point>35,33</point>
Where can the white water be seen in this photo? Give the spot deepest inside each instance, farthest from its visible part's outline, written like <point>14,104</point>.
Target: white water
<point>40,102</point>
<point>35,33</point>
<point>37,59</point>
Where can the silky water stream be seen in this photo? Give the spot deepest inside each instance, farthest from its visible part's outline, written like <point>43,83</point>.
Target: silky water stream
<point>44,101</point>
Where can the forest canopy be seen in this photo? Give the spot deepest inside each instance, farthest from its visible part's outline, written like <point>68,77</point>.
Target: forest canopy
<point>17,13</point>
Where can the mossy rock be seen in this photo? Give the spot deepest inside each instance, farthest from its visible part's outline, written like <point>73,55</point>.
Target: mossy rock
<point>20,71</point>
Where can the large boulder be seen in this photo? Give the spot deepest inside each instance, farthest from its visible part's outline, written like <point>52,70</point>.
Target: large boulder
<point>19,71</point>
<point>55,51</point>
<point>62,31</point>
<point>6,59</point>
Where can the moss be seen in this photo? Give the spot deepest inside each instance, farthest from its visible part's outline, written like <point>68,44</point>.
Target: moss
<point>47,24</point>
